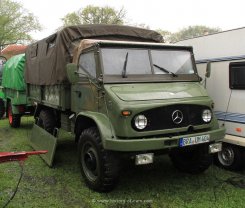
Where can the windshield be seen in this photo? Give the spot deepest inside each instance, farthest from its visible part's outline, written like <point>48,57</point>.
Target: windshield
<point>146,61</point>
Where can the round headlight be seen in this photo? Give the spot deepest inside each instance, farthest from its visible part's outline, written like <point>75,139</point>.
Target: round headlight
<point>207,115</point>
<point>140,122</point>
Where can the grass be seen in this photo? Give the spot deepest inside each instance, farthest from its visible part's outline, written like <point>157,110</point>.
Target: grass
<point>159,185</point>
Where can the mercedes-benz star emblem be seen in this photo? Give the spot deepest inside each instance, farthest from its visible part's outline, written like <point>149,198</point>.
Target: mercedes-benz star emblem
<point>177,116</point>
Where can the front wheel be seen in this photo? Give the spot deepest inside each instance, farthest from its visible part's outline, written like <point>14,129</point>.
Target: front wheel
<point>230,157</point>
<point>99,167</point>
<point>14,119</point>
<point>192,160</point>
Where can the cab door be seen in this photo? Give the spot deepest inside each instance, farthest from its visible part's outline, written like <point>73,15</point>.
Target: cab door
<point>84,93</point>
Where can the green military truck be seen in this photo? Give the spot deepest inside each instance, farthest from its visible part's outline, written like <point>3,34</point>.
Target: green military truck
<point>13,99</point>
<point>122,93</point>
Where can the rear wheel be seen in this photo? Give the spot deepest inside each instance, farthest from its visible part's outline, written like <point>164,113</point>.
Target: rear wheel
<point>14,119</point>
<point>47,121</point>
<point>230,157</point>
<point>2,108</point>
<point>192,160</point>
<point>99,167</point>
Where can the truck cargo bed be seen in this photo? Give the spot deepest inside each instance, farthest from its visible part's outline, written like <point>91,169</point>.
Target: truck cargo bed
<point>55,96</point>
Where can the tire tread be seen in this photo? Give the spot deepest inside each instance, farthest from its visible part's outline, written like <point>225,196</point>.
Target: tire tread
<point>109,167</point>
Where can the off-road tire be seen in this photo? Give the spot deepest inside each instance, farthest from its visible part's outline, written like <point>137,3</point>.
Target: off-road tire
<point>230,158</point>
<point>14,119</point>
<point>47,120</point>
<point>2,108</point>
<point>192,160</point>
<point>99,167</point>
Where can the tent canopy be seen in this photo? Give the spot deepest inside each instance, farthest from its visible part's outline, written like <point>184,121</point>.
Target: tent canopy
<point>46,59</point>
<point>13,73</point>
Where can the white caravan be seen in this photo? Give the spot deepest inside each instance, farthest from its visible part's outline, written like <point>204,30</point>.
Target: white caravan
<point>225,51</point>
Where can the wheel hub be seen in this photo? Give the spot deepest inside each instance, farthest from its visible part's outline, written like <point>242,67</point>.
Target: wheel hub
<point>226,156</point>
<point>90,161</point>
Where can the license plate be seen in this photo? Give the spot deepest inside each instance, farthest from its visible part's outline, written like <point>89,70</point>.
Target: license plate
<point>194,140</point>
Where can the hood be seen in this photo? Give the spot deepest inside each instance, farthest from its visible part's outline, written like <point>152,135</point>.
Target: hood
<point>157,91</point>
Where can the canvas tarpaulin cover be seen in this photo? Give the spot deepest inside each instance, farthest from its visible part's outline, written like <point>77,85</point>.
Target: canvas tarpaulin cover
<point>46,59</point>
<point>13,73</point>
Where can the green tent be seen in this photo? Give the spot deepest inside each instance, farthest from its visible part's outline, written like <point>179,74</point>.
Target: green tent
<point>13,73</point>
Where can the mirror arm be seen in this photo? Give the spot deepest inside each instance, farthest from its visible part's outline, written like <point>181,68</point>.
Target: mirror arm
<point>208,70</point>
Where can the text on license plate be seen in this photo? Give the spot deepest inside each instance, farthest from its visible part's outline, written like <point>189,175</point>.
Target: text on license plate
<point>194,140</point>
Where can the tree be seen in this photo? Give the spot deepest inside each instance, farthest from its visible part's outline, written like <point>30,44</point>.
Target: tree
<point>95,15</point>
<point>166,35</point>
<point>192,31</point>
<point>16,22</point>
<point>140,25</point>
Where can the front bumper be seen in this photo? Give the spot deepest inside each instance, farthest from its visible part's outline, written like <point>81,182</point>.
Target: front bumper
<point>156,143</point>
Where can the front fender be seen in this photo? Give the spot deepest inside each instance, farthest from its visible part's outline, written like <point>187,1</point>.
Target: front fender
<point>102,122</point>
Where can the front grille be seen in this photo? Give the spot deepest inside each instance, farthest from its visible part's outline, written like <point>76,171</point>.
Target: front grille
<point>161,118</point>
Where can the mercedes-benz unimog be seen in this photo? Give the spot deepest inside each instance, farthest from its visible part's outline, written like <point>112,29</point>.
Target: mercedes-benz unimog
<point>13,99</point>
<point>122,93</point>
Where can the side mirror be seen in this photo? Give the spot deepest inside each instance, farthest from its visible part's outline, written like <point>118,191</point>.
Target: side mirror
<point>208,70</point>
<point>71,70</point>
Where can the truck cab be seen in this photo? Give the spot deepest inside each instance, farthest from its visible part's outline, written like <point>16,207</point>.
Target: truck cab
<point>141,99</point>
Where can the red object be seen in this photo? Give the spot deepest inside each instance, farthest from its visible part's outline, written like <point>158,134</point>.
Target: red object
<point>239,130</point>
<point>18,156</point>
<point>14,48</point>
<point>21,108</point>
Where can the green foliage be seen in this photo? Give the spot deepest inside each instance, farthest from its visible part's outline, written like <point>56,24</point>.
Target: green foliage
<point>72,18</point>
<point>16,22</point>
<point>193,31</point>
<point>166,35</point>
<point>187,32</point>
<point>140,25</point>
<point>95,15</point>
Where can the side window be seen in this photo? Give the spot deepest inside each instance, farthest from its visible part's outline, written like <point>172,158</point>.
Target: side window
<point>87,64</point>
<point>237,75</point>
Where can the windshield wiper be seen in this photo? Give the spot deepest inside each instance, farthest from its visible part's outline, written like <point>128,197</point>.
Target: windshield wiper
<point>125,67</point>
<point>165,70</point>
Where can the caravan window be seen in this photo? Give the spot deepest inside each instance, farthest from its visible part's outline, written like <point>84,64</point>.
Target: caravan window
<point>237,75</point>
